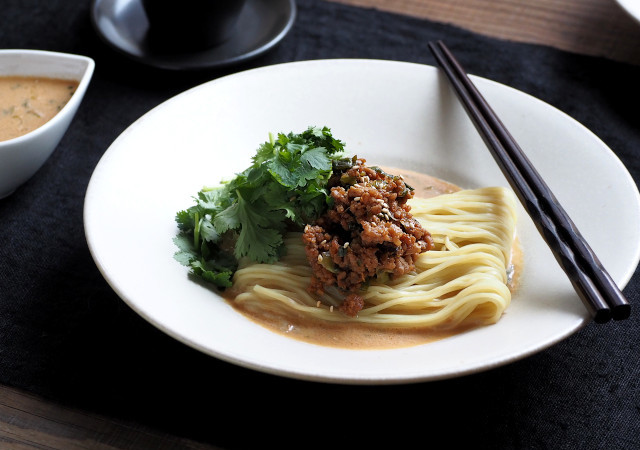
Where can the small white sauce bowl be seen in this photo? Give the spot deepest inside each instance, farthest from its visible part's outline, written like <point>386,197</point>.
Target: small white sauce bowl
<point>21,157</point>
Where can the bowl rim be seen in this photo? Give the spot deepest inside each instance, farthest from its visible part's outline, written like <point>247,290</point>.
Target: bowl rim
<point>83,83</point>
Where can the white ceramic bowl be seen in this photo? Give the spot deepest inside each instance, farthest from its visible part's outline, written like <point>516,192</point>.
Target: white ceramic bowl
<point>21,157</point>
<point>395,114</point>
<point>631,7</point>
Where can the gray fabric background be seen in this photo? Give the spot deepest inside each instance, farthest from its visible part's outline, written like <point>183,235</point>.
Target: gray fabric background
<point>66,335</point>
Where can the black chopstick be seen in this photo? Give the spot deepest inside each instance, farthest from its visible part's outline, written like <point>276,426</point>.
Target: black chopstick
<point>595,287</point>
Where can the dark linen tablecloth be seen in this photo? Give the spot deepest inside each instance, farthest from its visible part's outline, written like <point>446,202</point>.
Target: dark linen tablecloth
<point>65,335</point>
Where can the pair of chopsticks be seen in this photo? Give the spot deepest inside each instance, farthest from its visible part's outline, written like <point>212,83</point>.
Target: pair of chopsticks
<point>593,284</point>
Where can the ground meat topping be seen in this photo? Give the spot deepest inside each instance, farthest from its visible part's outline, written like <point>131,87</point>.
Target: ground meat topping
<point>368,233</point>
<point>351,305</point>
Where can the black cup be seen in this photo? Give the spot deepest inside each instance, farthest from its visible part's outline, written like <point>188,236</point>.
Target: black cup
<point>190,25</point>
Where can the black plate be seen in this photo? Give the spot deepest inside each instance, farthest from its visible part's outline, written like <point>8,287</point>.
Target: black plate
<point>123,25</point>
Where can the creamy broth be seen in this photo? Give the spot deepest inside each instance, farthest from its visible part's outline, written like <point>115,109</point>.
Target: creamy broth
<point>27,103</point>
<point>354,335</point>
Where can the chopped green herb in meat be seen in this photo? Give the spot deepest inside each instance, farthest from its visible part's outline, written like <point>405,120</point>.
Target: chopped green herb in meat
<point>284,188</point>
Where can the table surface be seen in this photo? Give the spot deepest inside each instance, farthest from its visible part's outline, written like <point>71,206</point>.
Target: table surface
<point>591,27</point>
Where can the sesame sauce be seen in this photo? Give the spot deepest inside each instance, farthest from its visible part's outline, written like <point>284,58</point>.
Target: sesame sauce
<point>27,103</point>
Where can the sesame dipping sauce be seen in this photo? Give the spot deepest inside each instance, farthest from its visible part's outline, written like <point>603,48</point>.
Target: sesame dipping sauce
<point>27,103</point>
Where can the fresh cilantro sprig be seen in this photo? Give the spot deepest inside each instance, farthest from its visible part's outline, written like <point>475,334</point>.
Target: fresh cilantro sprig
<point>284,187</point>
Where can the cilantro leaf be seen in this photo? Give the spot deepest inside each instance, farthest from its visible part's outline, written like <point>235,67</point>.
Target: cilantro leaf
<point>248,215</point>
